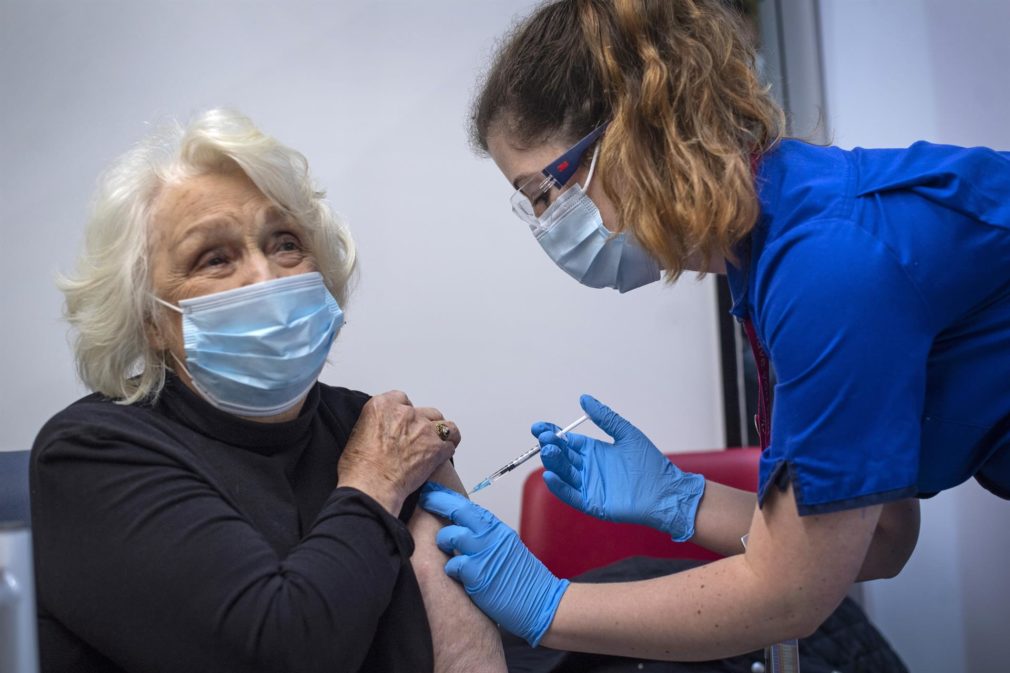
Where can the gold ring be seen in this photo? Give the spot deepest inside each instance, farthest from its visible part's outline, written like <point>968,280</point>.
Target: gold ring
<point>443,431</point>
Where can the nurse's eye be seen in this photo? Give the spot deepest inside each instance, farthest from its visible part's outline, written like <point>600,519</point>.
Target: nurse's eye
<point>542,202</point>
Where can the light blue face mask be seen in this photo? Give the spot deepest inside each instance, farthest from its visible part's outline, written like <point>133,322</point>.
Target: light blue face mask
<point>572,234</point>
<point>258,349</point>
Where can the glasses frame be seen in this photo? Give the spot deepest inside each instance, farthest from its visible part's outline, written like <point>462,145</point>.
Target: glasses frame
<point>555,175</point>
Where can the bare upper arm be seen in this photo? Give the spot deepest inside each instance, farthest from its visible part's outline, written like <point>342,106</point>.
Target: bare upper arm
<point>894,540</point>
<point>463,638</point>
<point>813,559</point>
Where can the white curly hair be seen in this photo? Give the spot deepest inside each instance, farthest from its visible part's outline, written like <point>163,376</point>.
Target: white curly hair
<point>108,299</point>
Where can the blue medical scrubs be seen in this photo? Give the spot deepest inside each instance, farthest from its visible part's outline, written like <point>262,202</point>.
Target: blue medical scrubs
<point>878,282</point>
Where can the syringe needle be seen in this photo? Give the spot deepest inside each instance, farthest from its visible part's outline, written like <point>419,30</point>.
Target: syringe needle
<point>523,457</point>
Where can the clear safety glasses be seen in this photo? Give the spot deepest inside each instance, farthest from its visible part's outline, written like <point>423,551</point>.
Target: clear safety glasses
<point>534,196</point>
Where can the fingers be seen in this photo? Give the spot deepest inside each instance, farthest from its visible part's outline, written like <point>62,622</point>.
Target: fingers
<point>397,396</point>
<point>558,461</point>
<point>435,498</point>
<point>431,413</point>
<point>450,434</point>
<point>563,491</point>
<point>540,427</point>
<point>436,418</point>
<point>550,436</point>
<point>457,538</point>
<point>606,418</point>
<point>450,505</point>
<point>459,569</point>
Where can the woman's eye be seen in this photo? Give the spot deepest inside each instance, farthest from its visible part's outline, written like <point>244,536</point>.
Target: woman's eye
<point>212,259</point>
<point>288,243</point>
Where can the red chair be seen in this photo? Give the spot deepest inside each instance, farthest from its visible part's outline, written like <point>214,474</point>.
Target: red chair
<point>570,542</point>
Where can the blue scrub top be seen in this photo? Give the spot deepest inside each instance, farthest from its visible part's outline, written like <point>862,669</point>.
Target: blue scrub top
<point>878,282</point>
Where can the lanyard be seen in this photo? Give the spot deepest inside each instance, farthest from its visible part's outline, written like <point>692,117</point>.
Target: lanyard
<point>762,419</point>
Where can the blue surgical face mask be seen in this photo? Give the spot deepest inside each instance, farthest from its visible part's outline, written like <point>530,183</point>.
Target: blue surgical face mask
<point>258,349</point>
<point>572,234</point>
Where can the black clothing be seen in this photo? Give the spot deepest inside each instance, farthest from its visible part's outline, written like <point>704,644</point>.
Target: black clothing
<point>174,537</point>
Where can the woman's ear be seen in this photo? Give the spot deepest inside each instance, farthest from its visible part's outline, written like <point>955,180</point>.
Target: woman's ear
<point>155,337</point>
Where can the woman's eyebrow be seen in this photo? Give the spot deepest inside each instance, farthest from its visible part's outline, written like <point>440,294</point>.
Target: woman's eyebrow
<point>202,229</point>
<point>274,215</point>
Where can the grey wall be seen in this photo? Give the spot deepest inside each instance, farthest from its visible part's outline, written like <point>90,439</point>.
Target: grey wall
<point>897,71</point>
<point>456,304</point>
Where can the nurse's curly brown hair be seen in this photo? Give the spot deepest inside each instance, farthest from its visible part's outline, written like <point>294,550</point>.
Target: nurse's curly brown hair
<point>687,112</point>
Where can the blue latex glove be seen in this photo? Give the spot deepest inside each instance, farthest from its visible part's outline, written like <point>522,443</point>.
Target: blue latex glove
<point>629,481</point>
<point>500,574</point>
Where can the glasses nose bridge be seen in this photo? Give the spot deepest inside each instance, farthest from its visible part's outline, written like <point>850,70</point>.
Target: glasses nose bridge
<point>557,174</point>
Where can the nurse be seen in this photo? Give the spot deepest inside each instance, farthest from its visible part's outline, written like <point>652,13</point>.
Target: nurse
<point>876,283</point>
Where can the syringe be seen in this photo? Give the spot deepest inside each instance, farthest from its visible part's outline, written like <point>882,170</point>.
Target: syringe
<point>508,467</point>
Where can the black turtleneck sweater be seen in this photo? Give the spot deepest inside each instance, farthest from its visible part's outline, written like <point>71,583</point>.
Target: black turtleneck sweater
<point>173,537</point>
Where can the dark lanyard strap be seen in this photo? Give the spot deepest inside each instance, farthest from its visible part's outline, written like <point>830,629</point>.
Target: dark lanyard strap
<point>762,420</point>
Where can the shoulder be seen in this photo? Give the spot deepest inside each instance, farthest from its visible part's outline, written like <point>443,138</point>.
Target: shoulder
<point>926,163</point>
<point>337,398</point>
<point>96,423</point>
<point>93,414</point>
<point>798,182</point>
<point>341,406</point>
<point>830,257</point>
<point>830,284</point>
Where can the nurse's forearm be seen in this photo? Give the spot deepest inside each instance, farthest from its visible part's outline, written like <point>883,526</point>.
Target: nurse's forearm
<point>724,516</point>
<point>795,571</point>
<point>717,610</point>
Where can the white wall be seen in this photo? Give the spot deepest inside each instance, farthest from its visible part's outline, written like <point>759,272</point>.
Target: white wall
<point>457,305</point>
<point>897,71</point>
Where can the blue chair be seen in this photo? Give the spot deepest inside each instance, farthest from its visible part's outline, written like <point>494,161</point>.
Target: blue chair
<point>18,635</point>
<point>14,503</point>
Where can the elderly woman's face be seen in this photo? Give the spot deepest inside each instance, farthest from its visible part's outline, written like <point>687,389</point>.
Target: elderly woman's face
<point>217,232</point>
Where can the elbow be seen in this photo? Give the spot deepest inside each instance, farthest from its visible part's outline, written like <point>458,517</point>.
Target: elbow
<point>805,612</point>
<point>883,569</point>
<point>893,542</point>
<point>885,561</point>
<point>893,568</point>
<point>805,621</point>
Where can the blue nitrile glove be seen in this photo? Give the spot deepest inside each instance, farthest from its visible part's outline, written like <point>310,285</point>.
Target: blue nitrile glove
<point>500,574</point>
<point>629,481</point>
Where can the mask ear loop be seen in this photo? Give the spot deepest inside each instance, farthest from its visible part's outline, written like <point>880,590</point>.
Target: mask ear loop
<point>592,167</point>
<point>166,304</point>
<point>181,312</point>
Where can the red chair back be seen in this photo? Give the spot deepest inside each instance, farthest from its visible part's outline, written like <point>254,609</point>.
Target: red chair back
<point>570,542</point>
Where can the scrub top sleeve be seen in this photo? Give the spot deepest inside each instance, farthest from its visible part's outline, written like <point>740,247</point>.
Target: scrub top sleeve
<point>848,334</point>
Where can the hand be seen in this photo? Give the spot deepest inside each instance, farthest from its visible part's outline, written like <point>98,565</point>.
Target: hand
<point>499,573</point>
<point>629,481</point>
<point>393,449</point>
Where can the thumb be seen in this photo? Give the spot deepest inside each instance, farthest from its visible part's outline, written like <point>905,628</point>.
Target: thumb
<point>606,418</point>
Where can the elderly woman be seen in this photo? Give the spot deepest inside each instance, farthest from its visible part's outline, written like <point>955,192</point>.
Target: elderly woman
<point>212,506</point>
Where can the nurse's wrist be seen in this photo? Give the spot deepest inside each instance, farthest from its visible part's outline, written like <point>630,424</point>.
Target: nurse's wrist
<point>680,505</point>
